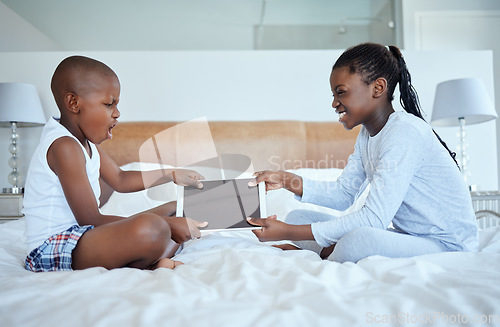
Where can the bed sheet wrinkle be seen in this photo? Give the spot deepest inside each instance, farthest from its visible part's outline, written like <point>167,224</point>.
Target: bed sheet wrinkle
<point>393,271</point>
<point>489,239</point>
<point>237,275</point>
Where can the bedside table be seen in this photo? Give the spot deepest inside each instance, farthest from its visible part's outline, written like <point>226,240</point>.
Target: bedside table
<point>10,206</point>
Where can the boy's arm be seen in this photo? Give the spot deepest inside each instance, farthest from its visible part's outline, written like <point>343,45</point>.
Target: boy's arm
<point>67,161</point>
<point>119,180</point>
<point>132,181</point>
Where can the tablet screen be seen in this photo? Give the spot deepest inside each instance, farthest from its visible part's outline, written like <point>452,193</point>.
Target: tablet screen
<point>222,203</point>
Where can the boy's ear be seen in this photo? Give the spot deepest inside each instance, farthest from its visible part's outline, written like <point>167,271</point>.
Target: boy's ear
<point>71,102</point>
<point>379,87</point>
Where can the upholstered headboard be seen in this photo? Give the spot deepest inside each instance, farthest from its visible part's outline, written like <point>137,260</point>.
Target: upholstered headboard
<point>269,144</point>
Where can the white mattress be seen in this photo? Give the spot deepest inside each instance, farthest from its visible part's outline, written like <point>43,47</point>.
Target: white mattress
<point>231,279</point>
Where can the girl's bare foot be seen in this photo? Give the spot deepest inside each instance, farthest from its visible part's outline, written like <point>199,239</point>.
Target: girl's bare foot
<point>285,247</point>
<point>166,263</point>
<point>325,253</point>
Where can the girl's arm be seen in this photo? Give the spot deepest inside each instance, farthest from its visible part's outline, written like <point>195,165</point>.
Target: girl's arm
<point>401,155</point>
<point>67,161</point>
<point>132,181</point>
<point>338,195</point>
<point>276,179</point>
<point>276,230</point>
<point>399,160</point>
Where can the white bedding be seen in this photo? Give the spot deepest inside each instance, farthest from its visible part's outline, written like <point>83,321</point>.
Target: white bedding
<point>230,279</point>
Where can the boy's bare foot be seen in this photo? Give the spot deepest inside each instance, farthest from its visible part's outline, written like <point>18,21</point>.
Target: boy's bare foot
<point>166,263</point>
<point>286,247</point>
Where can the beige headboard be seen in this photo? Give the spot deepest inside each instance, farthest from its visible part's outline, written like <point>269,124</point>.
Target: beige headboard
<point>269,144</point>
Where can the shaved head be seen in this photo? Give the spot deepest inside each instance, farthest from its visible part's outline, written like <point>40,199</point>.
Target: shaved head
<point>76,75</point>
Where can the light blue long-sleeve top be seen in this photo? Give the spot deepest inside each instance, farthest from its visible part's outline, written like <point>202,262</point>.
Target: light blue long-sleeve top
<point>414,183</point>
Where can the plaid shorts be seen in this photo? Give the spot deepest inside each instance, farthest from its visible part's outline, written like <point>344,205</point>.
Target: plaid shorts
<point>55,253</point>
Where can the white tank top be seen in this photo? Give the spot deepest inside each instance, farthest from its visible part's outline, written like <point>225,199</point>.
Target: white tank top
<point>45,207</point>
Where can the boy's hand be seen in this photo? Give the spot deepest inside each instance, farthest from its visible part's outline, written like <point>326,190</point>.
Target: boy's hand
<point>186,177</point>
<point>184,229</point>
<point>272,229</point>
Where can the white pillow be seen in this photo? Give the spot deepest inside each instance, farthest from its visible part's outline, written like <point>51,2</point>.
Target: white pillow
<point>279,202</point>
<point>128,204</point>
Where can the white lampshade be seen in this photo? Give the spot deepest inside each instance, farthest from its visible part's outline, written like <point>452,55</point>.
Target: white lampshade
<point>465,97</point>
<point>20,103</point>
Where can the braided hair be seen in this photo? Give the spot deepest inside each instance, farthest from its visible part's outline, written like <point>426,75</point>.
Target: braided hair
<point>372,61</point>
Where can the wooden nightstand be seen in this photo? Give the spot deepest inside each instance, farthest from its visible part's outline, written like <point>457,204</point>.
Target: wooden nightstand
<point>10,206</point>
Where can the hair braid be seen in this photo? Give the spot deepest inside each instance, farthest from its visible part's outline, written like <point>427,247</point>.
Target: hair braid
<point>409,97</point>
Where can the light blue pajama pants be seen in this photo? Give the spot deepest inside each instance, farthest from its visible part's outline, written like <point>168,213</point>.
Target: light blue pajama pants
<point>366,241</point>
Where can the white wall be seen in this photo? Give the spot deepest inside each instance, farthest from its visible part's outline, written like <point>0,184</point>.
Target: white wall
<point>117,25</point>
<point>455,25</point>
<point>16,34</point>
<point>411,7</point>
<point>247,85</point>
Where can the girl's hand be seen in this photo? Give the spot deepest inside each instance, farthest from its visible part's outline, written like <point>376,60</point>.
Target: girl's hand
<point>272,229</point>
<point>186,177</point>
<point>183,229</point>
<point>273,178</point>
<point>276,179</point>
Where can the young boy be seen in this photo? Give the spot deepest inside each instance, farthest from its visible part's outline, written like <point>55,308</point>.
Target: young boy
<point>64,227</point>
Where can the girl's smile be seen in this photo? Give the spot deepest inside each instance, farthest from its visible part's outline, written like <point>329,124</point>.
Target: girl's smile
<point>341,115</point>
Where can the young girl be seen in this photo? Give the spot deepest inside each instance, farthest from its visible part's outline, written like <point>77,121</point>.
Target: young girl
<point>415,183</point>
<point>64,227</point>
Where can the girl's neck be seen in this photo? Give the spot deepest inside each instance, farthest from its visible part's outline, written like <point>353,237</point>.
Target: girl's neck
<point>378,120</point>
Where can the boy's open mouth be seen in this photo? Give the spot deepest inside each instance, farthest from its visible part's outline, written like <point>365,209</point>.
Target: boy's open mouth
<point>110,131</point>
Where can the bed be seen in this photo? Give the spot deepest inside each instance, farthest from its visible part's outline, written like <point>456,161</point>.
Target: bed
<point>231,279</point>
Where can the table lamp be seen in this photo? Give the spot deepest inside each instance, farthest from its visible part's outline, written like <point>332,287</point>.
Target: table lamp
<point>460,102</point>
<point>19,107</point>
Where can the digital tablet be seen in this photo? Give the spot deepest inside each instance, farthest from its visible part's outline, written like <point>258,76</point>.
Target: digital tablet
<point>224,204</point>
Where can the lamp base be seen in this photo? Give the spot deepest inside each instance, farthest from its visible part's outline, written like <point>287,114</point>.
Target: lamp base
<point>13,190</point>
